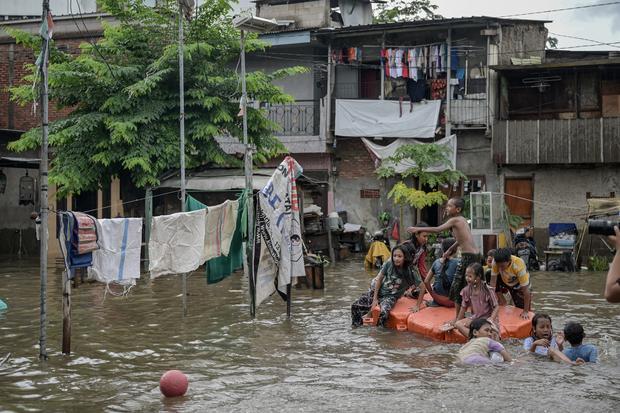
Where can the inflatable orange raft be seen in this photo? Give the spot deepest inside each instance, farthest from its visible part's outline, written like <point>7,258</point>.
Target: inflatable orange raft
<point>429,321</point>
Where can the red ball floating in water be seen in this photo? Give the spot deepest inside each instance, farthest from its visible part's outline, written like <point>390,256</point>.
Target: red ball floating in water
<point>173,383</point>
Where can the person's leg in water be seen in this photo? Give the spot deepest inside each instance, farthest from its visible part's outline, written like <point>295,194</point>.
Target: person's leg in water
<point>360,308</point>
<point>385,305</point>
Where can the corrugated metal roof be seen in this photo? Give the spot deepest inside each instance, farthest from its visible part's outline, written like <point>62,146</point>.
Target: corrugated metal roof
<point>454,21</point>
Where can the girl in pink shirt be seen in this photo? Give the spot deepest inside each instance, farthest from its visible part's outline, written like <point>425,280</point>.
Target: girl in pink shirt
<point>479,297</point>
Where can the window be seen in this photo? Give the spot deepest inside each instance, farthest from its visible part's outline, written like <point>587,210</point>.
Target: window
<point>370,193</point>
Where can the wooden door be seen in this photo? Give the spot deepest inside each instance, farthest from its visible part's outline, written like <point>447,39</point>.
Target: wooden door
<point>370,85</point>
<point>522,191</point>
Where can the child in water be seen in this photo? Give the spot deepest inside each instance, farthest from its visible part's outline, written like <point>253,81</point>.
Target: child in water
<point>393,280</point>
<point>479,297</point>
<point>480,347</point>
<point>543,343</point>
<point>574,334</point>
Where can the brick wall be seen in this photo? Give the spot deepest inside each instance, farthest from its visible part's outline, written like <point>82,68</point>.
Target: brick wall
<point>353,159</point>
<point>13,61</point>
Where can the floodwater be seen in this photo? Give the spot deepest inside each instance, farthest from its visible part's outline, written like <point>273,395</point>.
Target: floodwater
<point>313,362</point>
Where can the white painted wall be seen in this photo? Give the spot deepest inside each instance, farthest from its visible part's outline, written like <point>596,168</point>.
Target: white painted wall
<point>15,216</point>
<point>58,7</point>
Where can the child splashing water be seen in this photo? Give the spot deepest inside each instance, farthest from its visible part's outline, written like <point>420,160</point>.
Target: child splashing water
<point>393,280</point>
<point>543,343</point>
<point>479,297</point>
<point>480,346</point>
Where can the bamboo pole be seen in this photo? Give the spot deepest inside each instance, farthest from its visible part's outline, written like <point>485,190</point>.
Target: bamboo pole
<point>43,169</point>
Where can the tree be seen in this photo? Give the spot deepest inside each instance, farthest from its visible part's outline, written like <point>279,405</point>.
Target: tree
<point>124,92</point>
<point>552,42</point>
<point>420,157</point>
<point>405,10</point>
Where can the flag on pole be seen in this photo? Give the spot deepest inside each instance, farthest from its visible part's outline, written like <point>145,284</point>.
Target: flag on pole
<point>278,232</point>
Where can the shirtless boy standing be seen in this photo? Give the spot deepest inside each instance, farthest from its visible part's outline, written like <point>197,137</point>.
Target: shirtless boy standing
<point>469,251</point>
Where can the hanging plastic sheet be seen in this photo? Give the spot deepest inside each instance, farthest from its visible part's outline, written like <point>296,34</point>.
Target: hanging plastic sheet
<point>384,118</point>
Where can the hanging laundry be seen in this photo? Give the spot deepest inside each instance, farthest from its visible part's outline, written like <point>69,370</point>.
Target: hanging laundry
<point>220,226</point>
<point>221,267</point>
<point>118,259</point>
<point>278,233</point>
<point>416,90</point>
<point>78,238</point>
<point>177,243</point>
<point>443,55</point>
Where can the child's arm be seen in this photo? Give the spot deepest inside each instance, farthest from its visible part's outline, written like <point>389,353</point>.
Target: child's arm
<point>559,340</point>
<point>375,295</point>
<point>443,227</point>
<point>429,277</point>
<point>461,313</point>
<point>612,285</point>
<point>505,355</point>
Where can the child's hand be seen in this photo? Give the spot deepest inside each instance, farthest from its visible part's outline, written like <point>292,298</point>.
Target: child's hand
<point>559,338</point>
<point>525,315</point>
<point>542,342</point>
<point>579,361</point>
<point>412,230</point>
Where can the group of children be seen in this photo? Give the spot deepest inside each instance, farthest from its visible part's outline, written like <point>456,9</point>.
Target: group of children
<point>483,346</point>
<point>463,284</point>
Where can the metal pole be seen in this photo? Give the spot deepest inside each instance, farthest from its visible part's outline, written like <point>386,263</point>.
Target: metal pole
<point>182,138</point>
<point>248,179</point>
<point>43,167</point>
<point>382,95</point>
<point>449,87</point>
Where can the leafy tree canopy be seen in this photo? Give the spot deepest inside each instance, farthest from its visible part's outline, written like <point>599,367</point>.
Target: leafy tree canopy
<point>421,157</point>
<point>124,93</point>
<point>405,10</point>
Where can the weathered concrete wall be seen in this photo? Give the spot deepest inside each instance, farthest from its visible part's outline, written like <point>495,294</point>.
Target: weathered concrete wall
<point>473,157</point>
<point>15,222</point>
<point>355,172</point>
<point>521,40</point>
<point>307,14</point>
<point>560,192</point>
<point>300,86</point>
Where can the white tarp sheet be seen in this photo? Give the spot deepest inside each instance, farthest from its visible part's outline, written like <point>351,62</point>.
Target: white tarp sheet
<point>383,118</point>
<point>381,153</point>
<point>278,238</point>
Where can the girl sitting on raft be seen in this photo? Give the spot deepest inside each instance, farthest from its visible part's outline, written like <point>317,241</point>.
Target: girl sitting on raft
<point>480,346</point>
<point>543,343</point>
<point>479,296</point>
<point>443,271</point>
<point>393,280</point>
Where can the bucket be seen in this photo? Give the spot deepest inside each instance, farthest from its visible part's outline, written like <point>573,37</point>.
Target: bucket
<point>334,221</point>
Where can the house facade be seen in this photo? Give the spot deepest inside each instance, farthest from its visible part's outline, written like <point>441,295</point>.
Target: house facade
<point>556,138</point>
<point>348,69</point>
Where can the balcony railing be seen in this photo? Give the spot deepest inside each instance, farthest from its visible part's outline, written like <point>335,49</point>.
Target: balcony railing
<point>557,141</point>
<point>468,113</point>
<point>300,118</point>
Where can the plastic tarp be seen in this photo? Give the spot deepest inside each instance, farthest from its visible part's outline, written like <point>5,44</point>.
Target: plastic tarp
<point>603,206</point>
<point>386,118</point>
<point>381,153</point>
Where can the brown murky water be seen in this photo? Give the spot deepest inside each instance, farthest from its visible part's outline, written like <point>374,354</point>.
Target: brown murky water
<point>313,362</point>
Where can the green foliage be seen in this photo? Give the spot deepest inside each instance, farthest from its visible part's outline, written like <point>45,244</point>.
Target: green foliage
<point>598,263</point>
<point>385,216</point>
<point>513,221</point>
<point>421,158</point>
<point>405,10</point>
<point>552,42</point>
<point>124,94</point>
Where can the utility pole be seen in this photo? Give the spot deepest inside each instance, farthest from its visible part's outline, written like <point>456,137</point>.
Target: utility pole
<point>182,138</point>
<point>43,168</point>
<point>248,179</point>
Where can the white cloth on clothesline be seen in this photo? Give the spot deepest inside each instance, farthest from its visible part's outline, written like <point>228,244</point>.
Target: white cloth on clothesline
<point>221,222</point>
<point>118,258</point>
<point>177,242</point>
